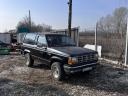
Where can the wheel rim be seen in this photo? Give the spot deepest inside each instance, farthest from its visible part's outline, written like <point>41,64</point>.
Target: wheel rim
<point>55,72</point>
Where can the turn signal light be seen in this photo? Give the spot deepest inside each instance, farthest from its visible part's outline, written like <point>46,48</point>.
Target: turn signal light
<point>72,60</point>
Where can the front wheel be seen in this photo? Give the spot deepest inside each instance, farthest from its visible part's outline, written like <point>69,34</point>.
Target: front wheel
<point>57,71</point>
<point>29,60</point>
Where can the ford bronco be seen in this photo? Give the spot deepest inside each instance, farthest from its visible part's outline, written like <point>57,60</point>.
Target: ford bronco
<point>59,52</point>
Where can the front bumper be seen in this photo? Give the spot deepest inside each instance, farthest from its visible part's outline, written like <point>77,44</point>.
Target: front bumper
<point>81,68</point>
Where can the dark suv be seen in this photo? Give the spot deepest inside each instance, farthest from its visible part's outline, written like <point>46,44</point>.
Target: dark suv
<point>59,52</point>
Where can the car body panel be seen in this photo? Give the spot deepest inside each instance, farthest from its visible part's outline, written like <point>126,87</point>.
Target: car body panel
<point>74,51</point>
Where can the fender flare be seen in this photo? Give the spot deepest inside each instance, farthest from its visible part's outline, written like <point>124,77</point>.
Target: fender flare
<point>55,58</point>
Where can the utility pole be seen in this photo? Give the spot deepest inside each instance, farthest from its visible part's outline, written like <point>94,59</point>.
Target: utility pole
<point>70,18</point>
<point>29,21</point>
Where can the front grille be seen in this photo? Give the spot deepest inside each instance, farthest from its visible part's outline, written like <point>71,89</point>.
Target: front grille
<point>86,58</point>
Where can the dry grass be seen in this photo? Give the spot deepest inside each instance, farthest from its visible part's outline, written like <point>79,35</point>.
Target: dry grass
<point>112,46</point>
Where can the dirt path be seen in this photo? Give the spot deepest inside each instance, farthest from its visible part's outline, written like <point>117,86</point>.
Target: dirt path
<point>18,80</point>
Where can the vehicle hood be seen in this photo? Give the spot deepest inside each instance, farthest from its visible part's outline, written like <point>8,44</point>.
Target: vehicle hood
<point>74,51</point>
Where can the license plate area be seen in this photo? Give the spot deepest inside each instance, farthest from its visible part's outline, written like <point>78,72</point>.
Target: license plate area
<point>87,69</point>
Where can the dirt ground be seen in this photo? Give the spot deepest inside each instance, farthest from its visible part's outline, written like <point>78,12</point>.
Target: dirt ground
<point>18,80</point>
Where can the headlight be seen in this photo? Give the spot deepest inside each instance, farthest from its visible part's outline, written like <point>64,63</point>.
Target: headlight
<point>72,60</point>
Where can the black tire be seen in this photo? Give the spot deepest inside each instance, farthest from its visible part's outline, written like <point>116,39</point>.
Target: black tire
<point>57,71</point>
<point>29,61</point>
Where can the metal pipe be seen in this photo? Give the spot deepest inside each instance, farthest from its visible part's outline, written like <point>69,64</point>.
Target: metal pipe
<point>126,48</point>
<point>96,37</point>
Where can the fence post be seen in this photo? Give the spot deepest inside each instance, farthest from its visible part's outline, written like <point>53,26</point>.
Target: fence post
<point>96,37</point>
<point>126,48</point>
<point>78,28</point>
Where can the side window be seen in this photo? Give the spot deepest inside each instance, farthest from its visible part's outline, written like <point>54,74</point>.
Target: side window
<point>30,39</point>
<point>41,41</point>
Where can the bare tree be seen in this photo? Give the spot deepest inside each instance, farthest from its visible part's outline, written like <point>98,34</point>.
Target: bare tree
<point>114,23</point>
<point>112,32</point>
<point>34,28</point>
<point>120,20</point>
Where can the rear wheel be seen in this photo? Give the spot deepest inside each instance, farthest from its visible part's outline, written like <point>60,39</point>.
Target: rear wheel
<point>29,60</point>
<point>57,71</point>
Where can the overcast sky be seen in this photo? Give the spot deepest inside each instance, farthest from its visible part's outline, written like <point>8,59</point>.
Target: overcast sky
<point>55,12</point>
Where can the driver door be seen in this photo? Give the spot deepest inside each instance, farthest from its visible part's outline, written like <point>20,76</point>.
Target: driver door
<point>42,49</point>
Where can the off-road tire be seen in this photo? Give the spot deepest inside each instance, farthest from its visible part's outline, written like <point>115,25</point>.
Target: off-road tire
<point>29,61</point>
<point>57,71</point>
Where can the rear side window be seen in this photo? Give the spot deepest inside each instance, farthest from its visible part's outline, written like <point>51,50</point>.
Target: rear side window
<point>30,39</point>
<point>41,40</point>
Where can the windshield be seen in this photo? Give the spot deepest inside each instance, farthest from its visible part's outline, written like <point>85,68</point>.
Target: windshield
<point>59,40</point>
